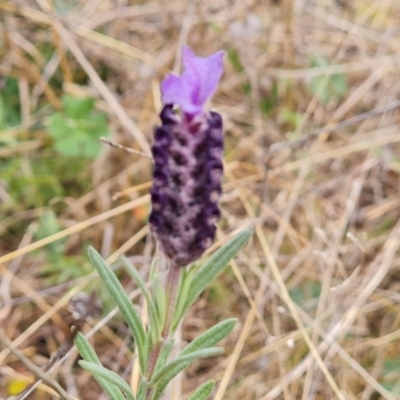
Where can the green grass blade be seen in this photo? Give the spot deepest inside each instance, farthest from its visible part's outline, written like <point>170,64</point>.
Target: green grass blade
<point>203,391</point>
<point>125,306</point>
<point>88,354</point>
<point>213,267</point>
<point>99,371</point>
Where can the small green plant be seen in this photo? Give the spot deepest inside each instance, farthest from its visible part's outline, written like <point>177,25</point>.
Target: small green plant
<point>9,104</point>
<point>327,88</point>
<point>391,371</point>
<point>291,118</point>
<point>77,128</point>
<point>304,292</point>
<point>234,59</point>
<point>270,100</point>
<point>154,342</point>
<point>57,267</point>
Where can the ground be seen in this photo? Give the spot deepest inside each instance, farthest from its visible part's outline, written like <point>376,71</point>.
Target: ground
<point>309,99</point>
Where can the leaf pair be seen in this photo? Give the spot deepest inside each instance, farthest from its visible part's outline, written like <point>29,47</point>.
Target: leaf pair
<point>208,272</point>
<point>108,380</point>
<point>199,346</point>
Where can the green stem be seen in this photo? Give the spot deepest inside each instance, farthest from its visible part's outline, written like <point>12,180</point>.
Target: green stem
<point>172,284</point>
<point>171,291</point>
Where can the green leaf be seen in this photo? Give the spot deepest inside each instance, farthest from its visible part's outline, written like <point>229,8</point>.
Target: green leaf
<point>76,130</point>
<point>305,291</point>
<point>211,337</point>
<point>339,84</point>
<point>154,320</point>
<point>69,146</point>
<point>78,144</point>
<point>203,391</point>
<point>142,390</point>
<point>58,268</point>
<point>158,391</point>
<point>213,267</point>
<point>270,101</point>
<point>207,339</point>
<point>3,113</point>
<point>390,365</point>
<point>96,124</point>
<point>325,88</point>
<point>183,359</point>
<point>57,126</point>
<point>10,110</point>
<point>77,108</point>
<point>49,225</point>
<point>109,376</point>
<point>392,387</point>
<point>292,118</point>
<point>88,354</point>
<point>320,89</point>
<point>125,306</point>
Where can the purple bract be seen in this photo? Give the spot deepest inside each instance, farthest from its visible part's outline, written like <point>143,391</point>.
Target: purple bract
<point>196,85</point>
<point>188,168</point>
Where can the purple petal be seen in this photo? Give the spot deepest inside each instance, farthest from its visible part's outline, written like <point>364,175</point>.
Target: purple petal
<point>197,83</point>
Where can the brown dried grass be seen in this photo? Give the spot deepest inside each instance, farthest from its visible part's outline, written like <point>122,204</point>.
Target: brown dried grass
<point>324,201</point>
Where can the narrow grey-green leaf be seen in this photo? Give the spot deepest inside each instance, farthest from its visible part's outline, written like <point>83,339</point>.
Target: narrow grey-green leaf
<point>182,359</point>
<point>158,391</point>
<point>88,354</point>
<point>207,339</point>
<point>214,266</point>
<point>203,391</point>
<point>125,306</point>
<point>211,337</point>
<point>142,390</point>
<point>109,376</point>
<point>154,320</point>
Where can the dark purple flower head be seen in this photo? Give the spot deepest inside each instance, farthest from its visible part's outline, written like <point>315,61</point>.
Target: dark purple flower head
<point>196,85</point>
<point>187,155</point>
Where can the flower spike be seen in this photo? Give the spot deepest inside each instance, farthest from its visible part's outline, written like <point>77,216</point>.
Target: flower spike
<point>187,155</point>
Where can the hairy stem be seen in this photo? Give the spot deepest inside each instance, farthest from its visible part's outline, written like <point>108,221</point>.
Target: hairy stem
<point>153,357</point>
<point>171,293</point>
<point>171,290</point>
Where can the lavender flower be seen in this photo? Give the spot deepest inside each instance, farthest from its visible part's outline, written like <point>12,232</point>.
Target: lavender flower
<point>187,154</point>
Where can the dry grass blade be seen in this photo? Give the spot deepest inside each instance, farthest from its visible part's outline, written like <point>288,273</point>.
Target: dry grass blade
<point>33,368</point>
<point>76,228</point>
<point>310,103</point>
<point>127,149</point>
<point>296,317</point>
<point>103,89</point>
